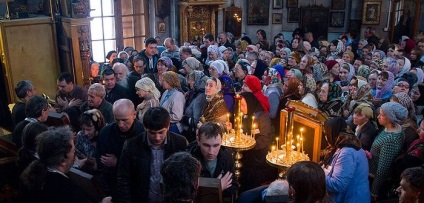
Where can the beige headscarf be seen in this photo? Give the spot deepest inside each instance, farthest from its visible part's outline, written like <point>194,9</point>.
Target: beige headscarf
<point>148,85</point>
<point>193,64</point>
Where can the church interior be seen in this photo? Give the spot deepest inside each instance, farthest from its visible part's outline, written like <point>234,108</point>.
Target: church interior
<point>40,39</point>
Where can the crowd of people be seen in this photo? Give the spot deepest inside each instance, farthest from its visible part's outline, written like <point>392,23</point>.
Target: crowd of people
<point>144,107</point>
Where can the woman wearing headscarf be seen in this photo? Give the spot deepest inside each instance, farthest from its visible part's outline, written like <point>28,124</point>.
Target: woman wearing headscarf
<point>273,88</point>
<point>227,91</point>
<point>146,89</point>
<point>364,71</point>
<point>91,122</point>
<point>361,44</point>
<point>347,71</point>
<point>217,68</point>
<point>285,53</point>
<point>366,131</point>
<point>403,65</point>
<point>417,97</point>
<point>320,70</point>
<point>255,169</point>
<point>336,48</point>
<point>216,110</point>
<point>329,99</point>
<point>419,72</point>
<point>389,64</point>
<point>173,100</point>
<point>213,54</point>
<point>346,175</point>
<point>359,92</point>
<point>378,55</point>
<point>195,103</point>
<point>334,69</point>
<point>383,90</point>
<point>241,70</point>
<point>191,64</point>
<point>290,91</point>
<point>409,125</point>
<point>307,90</point>
<point>386,146</point>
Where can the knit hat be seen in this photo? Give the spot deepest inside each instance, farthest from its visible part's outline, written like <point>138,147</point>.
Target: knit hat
<point>297,57</point>
<point>225,64</point>
<point>148,85</point>
<point>297,74</point>
<point>166,61</point>
<point>406,101</point>
<point>193,64</point>
<point>171,78</point>
<point>218,66</point>
<point>394,111</point>
<point>252,48</point>
<point>366,110</point>
<point>253,83</point>
<point>330,64</point>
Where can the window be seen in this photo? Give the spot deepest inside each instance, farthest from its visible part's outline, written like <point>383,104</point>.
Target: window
<point>116,25</point>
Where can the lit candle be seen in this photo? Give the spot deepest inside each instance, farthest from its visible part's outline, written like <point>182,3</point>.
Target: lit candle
<point>273,148</point>
<point>301,143</point>
<point>298,147</point>
<point>228,117</point>
<point>277,142</point>
<point>253,122</point>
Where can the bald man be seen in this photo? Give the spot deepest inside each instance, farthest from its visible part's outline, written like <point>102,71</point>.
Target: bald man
<point>111,140</point>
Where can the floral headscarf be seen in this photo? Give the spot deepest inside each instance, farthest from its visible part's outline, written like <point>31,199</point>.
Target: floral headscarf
<point>388,87</point>
<point>334,92</point>
<point>392,65</point>
<point>406,101</point>
<point>273,77</point>
<point>227,84</point>
<point>363,71</point>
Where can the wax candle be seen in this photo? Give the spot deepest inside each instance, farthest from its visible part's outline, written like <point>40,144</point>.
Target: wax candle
<point>277,142</point>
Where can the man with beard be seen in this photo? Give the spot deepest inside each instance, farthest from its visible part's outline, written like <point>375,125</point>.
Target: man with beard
<point>125,80</point>
<point>96,100</point>
<point>111,140</point>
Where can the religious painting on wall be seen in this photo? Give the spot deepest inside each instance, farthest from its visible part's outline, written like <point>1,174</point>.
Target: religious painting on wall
<point>337,19</point>
<point>315,19</point>
<point>293,15</point>
<point>371,13</point>
<point>276,18</point>
<point>258,12</point>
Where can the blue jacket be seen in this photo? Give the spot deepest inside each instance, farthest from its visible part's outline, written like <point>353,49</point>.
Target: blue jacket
<point>347,180</point>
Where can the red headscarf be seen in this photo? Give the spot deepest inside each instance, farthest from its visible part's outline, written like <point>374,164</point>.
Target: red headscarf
<point>255,85</point>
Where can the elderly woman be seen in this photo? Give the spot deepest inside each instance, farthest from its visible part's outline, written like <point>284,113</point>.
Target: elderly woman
<point>293,60</point>
<point>273,88</point>
<point>191,64</point>
<point>146,89</point>
<point>366,130</point>
<point>389,64</point>
<point>196,102</point>
<point>218,68</point>
<point>256,171</point>
<point>336,48</point>
<point>241,70</point>
<point>334,69</point>
<point>213,54</point>
<point>306,66</point>
<point>378,55</point>
<point>347,171</point>
<point>387,145</point>
<point>173,100</point>
<point>216,109</point>
<point>329,99</point>
<point>409,125</point>
<point>91,123</point>
<point>383,90</point>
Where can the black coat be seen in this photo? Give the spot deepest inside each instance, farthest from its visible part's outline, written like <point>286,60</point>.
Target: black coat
<point>367,135</point>
<point>224,164</point>
<point>134,166</point>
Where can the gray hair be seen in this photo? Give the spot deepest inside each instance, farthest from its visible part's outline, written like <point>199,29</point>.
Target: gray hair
<point>99,89</point>
<point>22,87</point>
<point>120,65</point>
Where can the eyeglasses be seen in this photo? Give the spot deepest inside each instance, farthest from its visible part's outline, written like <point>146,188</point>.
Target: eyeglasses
<point>403,86</point>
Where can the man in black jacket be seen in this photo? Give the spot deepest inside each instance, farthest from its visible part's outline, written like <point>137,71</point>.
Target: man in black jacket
<point>217,161</point>
<point>111,140</point>
<point>142,156</point>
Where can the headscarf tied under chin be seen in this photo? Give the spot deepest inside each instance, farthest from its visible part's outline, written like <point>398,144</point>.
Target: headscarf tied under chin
<point>406,67</point>
<point>349,75</point>
<point>254,84</point>
<point>388,87</point>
